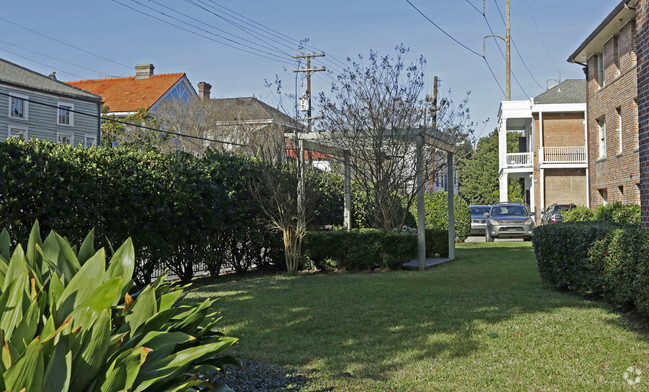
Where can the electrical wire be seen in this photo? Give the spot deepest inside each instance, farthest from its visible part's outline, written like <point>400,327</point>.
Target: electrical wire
<point>541,37</point>
<point>132,124</point>
<point>462,45</point>
<point>54,58</point>
<point>261,52</point>
<point>43,64</point>
<point>65,43</point>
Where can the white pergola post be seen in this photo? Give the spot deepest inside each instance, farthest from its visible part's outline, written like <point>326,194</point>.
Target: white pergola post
<point>421,224</point>
<point>348,193</point>
<point>451,205</point>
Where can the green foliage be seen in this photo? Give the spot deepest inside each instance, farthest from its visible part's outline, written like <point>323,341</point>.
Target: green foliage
<point>478,175</point>
<point>437,214</point>
<point>607,259</point>
<point>329,191</point>
<point>68,323</point>
<point>612,212</point>
<point>180,211</point>
<point>368,249</point>
<point>114,133</point>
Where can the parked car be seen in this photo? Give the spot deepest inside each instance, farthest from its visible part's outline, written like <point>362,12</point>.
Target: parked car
<point>479,216</point>
<point>509,220</point>
<point>553,213</point>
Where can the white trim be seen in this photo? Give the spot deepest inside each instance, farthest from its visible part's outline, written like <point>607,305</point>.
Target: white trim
<point>89,136</point>
<point>61,133</point>
<point>563,165</point>
<point>70,113</point>
<point>21,127</point>
<point>25,99</point>
<point>559,107</point>
<point>542,189</point>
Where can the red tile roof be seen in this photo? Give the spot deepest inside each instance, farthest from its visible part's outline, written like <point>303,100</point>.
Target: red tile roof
<point>128,94</point>
<point>317,156</point>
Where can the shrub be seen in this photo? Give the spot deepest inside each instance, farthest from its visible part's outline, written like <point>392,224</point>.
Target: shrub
<point>367,249</point>
<point>608,260</point>
<point>612,212</point>
<point>437,214</point>
<point>69,323</point>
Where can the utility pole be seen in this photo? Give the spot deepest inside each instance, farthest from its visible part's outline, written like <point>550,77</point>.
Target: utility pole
<point>509,65</point>
<point>300,150</point>
<point>432,152</point>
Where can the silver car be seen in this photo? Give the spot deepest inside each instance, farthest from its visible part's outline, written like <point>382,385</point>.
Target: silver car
<point>509,220</point>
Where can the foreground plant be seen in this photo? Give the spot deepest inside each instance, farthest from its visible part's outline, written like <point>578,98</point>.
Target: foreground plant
<point>68,323</point>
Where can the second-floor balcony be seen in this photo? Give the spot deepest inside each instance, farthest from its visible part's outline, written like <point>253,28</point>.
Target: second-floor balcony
<point>519,159</point>
<point>563,155</point>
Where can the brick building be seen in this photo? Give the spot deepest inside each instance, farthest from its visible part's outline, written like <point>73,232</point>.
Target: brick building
<point>642,45</point>
<point>611,67</point>
<point>551,157</point>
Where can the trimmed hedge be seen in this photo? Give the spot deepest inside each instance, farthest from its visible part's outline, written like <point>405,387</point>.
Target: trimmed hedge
<point>437,214</point>
<point>368,249</point>
<point>608,260</point>
<point>180,211</point>
<point>613,212</point>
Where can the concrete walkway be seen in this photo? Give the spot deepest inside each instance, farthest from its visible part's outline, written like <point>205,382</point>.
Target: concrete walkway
<point>430,263</point>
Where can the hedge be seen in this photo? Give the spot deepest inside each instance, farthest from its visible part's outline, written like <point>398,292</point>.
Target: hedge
<point>182,212</point>
<point>436,218</point>
<point>368,249</point>
<point>601,259</point>
<point>612,212</point>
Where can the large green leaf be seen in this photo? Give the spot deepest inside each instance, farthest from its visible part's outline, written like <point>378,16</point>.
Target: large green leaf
<point>13,296</point>
<point>59,369</point>
<point>89,352</point>
<point>102,298</point>
<point>87,249</point>
<point>122,264</point>
<point>82,285</point>
<point>122,373</point>
<point>26,329</point>
<point>143,309</point>
<point>5,244</point>
<point>33,257</point>
<point>68,254</point>
<point>28,370</point>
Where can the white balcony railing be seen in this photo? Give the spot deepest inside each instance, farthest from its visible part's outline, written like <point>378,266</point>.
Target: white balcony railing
<point>519,159</point>
<point>575,154</point>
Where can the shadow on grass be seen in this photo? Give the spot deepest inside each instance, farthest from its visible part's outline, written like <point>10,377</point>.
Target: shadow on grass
<point>371,324</point>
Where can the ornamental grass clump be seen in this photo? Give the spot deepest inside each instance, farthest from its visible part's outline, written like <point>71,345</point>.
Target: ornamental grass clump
<point>68,323</point>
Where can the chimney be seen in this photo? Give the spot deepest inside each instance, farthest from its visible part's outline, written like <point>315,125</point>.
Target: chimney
<point>143,71</point>
<point>204,91</point>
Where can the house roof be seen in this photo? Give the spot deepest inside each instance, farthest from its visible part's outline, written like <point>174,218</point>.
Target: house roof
<point>568,91</point>
<point>250,109</point>
<point>315,155</point>
<point>128,94</point>
<point>623,12</point>
<point>20,77</point>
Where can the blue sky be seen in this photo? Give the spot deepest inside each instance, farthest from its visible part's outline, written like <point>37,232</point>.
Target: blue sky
<point>119,37</point>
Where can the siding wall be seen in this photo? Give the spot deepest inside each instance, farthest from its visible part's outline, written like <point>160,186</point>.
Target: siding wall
<point>41,122</point>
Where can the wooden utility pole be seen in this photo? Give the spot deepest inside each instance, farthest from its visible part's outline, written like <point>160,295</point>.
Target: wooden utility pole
<point>300,147</point>
<point>509,65</point>
<point>432,152</point>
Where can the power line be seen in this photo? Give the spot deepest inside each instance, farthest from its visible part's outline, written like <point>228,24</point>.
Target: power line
<point>266,54</point>
<point>53,58</point>
<point>43,64</point>
<point>132,124</point>
<point>540,37</point>
<point>517,51</point>
<point>65,43</point>
<point>474,7</point>
<point>462,45</point>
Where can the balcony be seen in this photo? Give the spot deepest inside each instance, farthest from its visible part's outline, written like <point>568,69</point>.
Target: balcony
<point>563,155</point>
<point>519,159</point>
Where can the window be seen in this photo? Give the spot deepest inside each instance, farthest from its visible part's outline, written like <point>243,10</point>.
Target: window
<point>618,113</point>
<point>600,69</point>
<point>64,138</point>
<point>18,107</point>
<point>17,132</point>
<point>64,114</point>
<point>89,141</point>
<point>601,125</point>
<point>603,193</point>
<point>635,124</point>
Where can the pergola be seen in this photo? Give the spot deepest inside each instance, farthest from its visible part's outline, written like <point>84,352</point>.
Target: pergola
<point>336,144</point>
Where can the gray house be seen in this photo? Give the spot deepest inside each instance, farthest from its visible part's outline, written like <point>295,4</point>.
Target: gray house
<point>41,107</point>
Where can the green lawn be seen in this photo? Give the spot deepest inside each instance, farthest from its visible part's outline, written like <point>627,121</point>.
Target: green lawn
<point>481,323</point>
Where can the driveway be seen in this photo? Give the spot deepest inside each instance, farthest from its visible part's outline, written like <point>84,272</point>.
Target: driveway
<point>481,238</point>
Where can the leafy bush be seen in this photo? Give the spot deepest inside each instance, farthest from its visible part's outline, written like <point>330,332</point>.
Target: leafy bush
<point>609,260</point>
<point>188,212</point>
<point>612,212</point>
<point>437,214</point>
<point>68,323</point>
<point>367,249</point>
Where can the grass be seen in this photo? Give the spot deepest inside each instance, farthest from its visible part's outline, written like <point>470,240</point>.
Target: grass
<point>482,322</point>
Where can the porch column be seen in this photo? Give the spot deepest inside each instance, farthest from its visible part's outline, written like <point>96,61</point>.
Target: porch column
<point>348,194</point>
<point>451,206</point>
<point>504,192</point>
